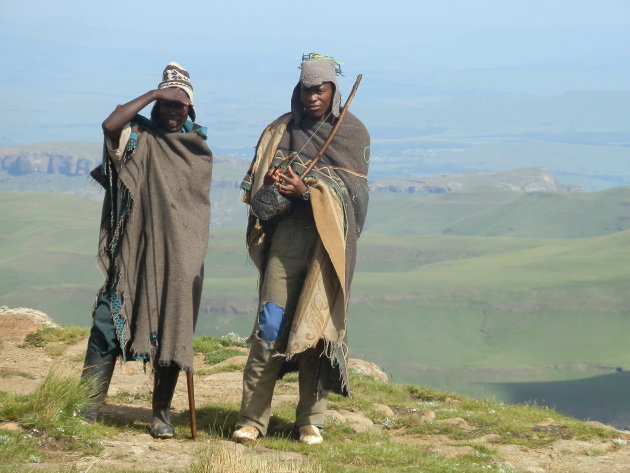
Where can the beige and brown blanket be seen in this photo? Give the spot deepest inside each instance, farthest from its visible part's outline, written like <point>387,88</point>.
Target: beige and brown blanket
<point>338,185</point>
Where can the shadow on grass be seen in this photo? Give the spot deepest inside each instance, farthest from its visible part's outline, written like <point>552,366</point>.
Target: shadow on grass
<point>222,422</point>
<point>127,417</point>
<point>219,421</point>
<point>138,419</point>
<point>602,398</point>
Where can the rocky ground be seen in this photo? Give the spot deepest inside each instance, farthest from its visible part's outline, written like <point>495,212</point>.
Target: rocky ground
<point>23,368</point>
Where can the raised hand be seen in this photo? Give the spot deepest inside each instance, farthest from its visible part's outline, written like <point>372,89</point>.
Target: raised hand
<point>173,94</point>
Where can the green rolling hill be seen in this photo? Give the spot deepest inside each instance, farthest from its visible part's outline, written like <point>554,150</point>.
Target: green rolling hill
<point>493,212</point>
<point>458,309</point>
<point>569,215</point>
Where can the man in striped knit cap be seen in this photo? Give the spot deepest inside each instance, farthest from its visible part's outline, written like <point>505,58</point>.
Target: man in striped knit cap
<point>154,234</point>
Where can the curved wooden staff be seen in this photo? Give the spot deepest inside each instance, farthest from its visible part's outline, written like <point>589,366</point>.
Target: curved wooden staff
<point>333,132</point>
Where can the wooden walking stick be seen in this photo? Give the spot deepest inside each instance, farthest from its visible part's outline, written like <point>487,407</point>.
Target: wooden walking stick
<point>191,404</point>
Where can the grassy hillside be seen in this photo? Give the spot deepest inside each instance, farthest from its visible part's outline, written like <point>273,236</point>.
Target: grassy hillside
<point>493,212</point>
<point>405,214</point>
<point>464,313</point>
<point>553,214</point>
<point>556,301</point>
<point>383,428</point>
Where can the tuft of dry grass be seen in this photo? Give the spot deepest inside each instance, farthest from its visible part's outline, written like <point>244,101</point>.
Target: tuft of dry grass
<point>230,458</point>
<point>6,372</point>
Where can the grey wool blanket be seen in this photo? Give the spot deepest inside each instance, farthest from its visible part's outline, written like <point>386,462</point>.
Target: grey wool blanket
<point>153,240</point>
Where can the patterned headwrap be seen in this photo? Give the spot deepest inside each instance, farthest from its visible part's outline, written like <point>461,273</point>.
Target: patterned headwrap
<point>316,69</point>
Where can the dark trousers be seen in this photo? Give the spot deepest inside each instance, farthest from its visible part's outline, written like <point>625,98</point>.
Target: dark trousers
<point>103,338</point>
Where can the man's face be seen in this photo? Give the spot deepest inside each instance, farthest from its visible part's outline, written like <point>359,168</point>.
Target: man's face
<point>316,100</point>
<point>172,115</point>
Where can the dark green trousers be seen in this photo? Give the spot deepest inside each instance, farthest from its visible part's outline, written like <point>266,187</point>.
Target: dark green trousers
<point>103,338</point>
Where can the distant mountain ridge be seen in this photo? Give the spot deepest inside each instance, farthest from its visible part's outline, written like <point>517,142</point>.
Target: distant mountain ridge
<point>533,179</point>
<point>78,159</point>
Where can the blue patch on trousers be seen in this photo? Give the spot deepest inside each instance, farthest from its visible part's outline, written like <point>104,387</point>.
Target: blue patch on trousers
<point>270,322</point>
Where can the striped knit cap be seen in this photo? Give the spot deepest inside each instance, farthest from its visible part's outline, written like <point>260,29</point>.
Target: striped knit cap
<point>175,75</point>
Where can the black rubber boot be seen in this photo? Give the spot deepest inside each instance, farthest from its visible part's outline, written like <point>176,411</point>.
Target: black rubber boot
<point>97,373</point>
<point>164,382</point>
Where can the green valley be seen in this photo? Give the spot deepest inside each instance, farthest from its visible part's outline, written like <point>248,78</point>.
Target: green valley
<point>490,293</point>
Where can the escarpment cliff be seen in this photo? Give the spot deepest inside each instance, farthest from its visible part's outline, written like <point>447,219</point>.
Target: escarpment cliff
<point>21,163</point>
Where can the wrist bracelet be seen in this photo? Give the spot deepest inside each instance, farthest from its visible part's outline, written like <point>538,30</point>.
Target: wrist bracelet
<point>307,194</point>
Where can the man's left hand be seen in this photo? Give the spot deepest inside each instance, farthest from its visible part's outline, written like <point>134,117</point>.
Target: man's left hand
<point>290,184</point>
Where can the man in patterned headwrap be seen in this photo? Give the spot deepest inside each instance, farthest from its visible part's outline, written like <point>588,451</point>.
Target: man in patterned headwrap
<point>153,239</point>
<point>307,258</point>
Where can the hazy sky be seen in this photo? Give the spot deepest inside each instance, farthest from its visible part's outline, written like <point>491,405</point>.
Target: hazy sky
<point>67,64</point>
